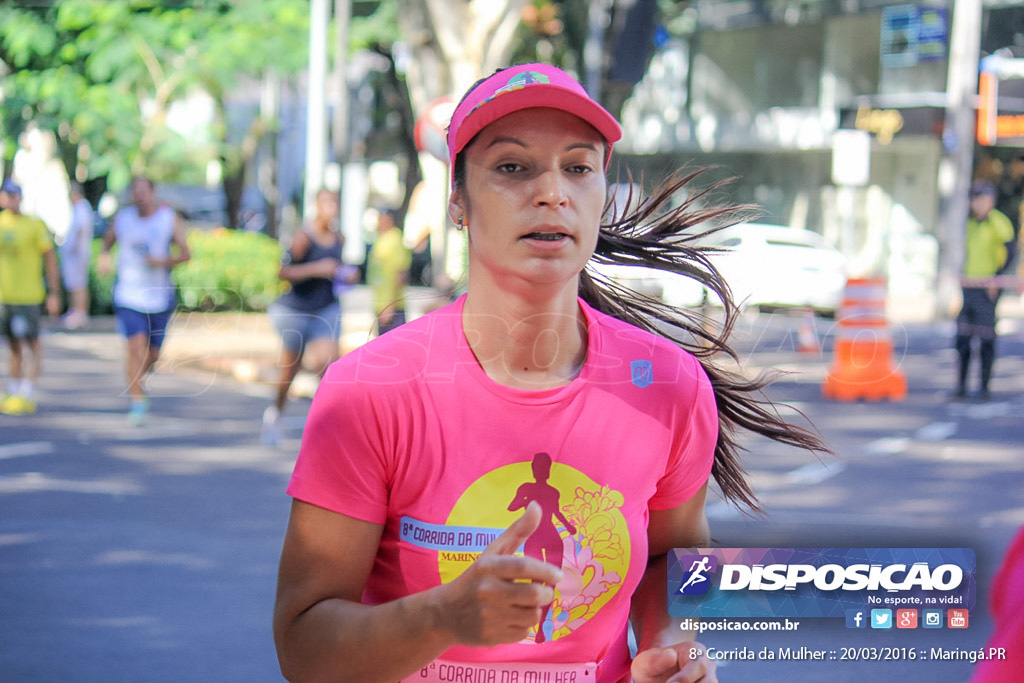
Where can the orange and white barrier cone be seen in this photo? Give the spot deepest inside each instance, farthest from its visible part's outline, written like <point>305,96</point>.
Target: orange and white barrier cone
<point>806,335</point>
<point>863,348</point>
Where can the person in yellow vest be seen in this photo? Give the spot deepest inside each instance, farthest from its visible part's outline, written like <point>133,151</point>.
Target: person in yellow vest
<point>25,247</point>
<point>988,231</point>
<point>387,272</point>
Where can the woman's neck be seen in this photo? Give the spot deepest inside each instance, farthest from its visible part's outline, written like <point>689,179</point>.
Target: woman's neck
<point>524,341</point>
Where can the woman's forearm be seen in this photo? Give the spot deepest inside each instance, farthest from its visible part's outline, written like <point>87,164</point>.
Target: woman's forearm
<point>339,640</point>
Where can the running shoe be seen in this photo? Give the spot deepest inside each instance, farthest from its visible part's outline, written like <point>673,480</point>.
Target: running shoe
<point>74,319</point>
<point>270,432</point>
<point>17,405</point>
<point>138,411</point>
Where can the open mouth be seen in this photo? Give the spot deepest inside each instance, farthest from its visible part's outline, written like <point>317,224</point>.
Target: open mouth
<point>546,236</point>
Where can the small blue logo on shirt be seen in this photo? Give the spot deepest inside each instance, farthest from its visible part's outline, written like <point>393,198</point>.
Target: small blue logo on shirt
<point>643,372</point>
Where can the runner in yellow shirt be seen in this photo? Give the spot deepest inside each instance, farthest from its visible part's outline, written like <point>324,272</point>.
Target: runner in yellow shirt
<point>25,246</point>
<point>387,272</point>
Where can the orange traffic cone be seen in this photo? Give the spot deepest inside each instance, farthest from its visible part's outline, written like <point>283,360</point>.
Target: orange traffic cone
<point>863,348</point>
<point>806,335</point>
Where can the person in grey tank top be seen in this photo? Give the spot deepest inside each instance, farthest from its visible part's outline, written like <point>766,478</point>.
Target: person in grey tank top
<point>308,315</point>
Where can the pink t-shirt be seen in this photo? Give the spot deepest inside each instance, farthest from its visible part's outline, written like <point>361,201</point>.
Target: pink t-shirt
<point>1006,603</point>
<point>409,432</point>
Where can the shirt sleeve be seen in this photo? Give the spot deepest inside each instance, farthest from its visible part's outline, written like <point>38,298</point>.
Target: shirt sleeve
<point>689,463</point>
<point>343,464</point>
<point>44,242</point>
<point>1006,229</point>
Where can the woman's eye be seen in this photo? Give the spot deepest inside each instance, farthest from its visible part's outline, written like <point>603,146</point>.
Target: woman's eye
<point>509,167</point>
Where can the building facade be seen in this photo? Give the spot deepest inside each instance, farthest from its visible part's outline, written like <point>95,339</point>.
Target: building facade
<point>760,90</point>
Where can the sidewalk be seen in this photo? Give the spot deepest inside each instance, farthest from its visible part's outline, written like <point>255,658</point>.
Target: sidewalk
<point>245,346</point>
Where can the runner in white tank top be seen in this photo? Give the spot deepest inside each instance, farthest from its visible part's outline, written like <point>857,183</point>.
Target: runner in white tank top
<point>143,292</point>
<point>139,285</point>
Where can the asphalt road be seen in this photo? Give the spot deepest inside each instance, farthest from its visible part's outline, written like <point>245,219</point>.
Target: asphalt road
<point>150,554</point>
<point>131,554</point>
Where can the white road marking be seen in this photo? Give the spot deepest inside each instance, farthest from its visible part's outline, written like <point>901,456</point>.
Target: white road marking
<point>35,482</point>
<point>936,431</point>
<point>18,450</point>
<point>889,445</point>
<point>116,427</point>
<point>815,472</point>
<point>987,411</point>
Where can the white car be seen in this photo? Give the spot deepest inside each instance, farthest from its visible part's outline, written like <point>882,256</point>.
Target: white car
<point>671,288</point>
<point>775,266</point>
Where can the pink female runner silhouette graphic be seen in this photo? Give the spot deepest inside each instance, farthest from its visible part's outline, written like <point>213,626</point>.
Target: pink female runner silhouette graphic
<point>545,543</point>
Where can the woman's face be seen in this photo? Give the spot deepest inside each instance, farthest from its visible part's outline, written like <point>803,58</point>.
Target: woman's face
<point>533,196</point>
<point>326,204</point>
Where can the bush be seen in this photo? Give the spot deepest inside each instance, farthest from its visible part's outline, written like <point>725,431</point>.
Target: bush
<point>230,270</point>
<point>101,288</point>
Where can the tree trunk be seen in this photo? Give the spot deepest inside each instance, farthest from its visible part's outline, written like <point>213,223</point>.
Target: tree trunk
<point>233,184</point>
<point>455,42</point>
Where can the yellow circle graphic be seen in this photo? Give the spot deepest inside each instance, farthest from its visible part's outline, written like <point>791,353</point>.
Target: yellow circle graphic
<point>581,518</point>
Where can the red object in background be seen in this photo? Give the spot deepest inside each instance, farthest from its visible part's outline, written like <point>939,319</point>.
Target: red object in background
<point>430,133</point>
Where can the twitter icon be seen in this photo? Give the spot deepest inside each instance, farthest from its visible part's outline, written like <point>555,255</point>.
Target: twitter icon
<point>881,618</point>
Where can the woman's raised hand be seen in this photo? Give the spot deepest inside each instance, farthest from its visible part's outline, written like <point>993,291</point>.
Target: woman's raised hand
<point>500,597</point>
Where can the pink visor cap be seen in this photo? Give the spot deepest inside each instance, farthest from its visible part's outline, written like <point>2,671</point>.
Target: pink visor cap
<point>524,87</point>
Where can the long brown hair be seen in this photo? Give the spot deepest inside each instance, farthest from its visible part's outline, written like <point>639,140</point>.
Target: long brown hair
<point>649,232</point>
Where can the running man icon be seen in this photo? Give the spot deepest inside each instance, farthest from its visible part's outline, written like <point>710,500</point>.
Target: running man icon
<point>699,568</point>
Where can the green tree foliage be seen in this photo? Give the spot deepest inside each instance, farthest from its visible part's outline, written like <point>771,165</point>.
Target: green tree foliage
<point>104,75</point>
<point>230,270</point>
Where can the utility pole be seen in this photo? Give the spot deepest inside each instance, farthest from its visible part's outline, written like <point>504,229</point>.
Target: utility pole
<point>342,12</point>
<point>316,96</point>
<point>350,203</point>
<point>593,51</point>
<point>266,175</point>
<point>957,164</point>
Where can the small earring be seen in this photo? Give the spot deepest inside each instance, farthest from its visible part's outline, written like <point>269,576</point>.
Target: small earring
<point>460,224</point>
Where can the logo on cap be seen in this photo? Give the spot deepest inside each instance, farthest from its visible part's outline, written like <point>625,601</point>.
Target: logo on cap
<point>517,82</point>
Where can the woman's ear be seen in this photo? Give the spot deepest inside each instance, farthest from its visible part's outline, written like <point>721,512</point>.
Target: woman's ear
<point>456,210</point>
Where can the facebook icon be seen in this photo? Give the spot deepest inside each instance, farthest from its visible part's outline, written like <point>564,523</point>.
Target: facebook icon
<point>855,618</point>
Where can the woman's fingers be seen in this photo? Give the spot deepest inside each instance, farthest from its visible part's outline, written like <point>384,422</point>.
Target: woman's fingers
<point>499,598</point>
<point>514,536</point>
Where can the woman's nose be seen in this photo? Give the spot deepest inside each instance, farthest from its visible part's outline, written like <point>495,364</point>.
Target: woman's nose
<point>549,189</point>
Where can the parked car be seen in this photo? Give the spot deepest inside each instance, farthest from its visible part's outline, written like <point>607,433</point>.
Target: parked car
<point>776,266</point>
<point>671,288</point>
<point>766,266</point>
<point>205,207</point>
